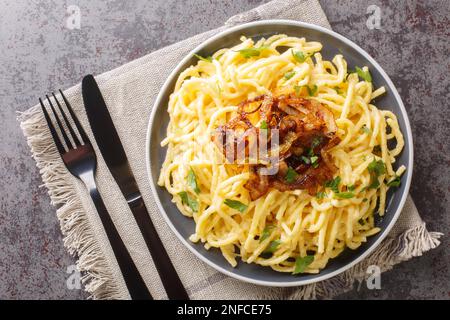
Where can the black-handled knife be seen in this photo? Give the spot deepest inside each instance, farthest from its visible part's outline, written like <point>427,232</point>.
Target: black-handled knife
<point>111,148</point>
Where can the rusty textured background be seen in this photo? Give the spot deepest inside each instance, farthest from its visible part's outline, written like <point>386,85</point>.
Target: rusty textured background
<point>39,54</point>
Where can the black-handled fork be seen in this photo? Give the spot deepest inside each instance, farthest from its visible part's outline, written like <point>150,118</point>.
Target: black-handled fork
<point>81,161</point>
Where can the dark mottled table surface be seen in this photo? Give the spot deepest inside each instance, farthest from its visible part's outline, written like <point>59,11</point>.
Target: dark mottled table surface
<point>38,53</point>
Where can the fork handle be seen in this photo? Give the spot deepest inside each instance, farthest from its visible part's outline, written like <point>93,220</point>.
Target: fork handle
<point>135,284</point>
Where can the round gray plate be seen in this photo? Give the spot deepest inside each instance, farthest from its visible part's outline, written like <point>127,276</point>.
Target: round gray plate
<point>333,44</point>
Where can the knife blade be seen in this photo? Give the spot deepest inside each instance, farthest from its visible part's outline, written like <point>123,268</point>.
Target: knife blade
<point>114,155</point>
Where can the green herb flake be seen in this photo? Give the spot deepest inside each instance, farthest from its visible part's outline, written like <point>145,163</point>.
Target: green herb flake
<point>316,142</point>
<point>376,169</point>
<point>314,161</point>
<point>334,184</point>
<point>344,195</point>
<point>237,205</point>
<point>321,195</point>
<point>266,233</point>
<point>289,75</point>
<point>361,222</point>
<point>312,90</point>
<point>365,200</point>
<point>272,247</point>
<point>301,263</point>
<point>206,59</point>
<point>299,56</point>
<point>187,200</point>
<point>374,183</point>
<point>310,152</point>
<point>297,90</point>
<point>306,160</point>
<point>251,52</point>
<point>365,129</point>
<point>291,175</point>
<point>365,75</point>
<point>192,181</point>
<point>264,125</point>
<point>351,187</point>
<point>394,182</point>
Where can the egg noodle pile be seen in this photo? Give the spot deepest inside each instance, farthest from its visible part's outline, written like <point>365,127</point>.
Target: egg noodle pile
<point>290,231</point>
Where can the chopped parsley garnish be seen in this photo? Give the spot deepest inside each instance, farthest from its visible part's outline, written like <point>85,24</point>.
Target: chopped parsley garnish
<point>251,52</point>
<point>377,166</point>
<point>306,160</point>
<point>301,263</point>
<point>321,195</point>
<point>312,90</point>
<point>365,200</point>
<point>394,182</point>
<point>206,59</point>
<point>334,184</point>
<point>289,75</point>
<point>272,247</point>
<point>376,169</point>
<point>291,175</point>
<point>351,188</point>
<point>237,205</point>
<point>266,232</point>
<point>344,195</point>
<point>361,222</point>
<point>187,200</point>
<point>192,181</point>
<point>264,125</point>
<point>299,56</point>
<point>316,142</point>
<point>365,129</point>
<point>365,75</point>
<point>314,161</point>
<point>310,152</point>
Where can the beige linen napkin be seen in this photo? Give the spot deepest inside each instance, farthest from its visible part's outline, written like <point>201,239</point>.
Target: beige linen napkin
<point>129,92</point>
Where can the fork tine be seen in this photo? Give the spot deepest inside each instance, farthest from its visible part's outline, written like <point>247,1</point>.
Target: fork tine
<point>75,119</point>
<point>58,143</point>
<point>72,132</point>
<point>61,128</point>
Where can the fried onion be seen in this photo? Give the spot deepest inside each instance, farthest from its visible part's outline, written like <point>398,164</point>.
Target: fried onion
<point>307,131</point>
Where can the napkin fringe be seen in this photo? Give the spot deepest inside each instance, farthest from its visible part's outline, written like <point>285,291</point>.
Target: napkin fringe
<point>411,243</point>
<point>79,238</point>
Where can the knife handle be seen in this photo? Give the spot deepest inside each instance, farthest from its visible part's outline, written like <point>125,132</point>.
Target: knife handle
<point>166,270</point>
<point>133,280</point>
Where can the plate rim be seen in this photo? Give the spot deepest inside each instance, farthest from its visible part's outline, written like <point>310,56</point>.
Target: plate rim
<point>397,97</point>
